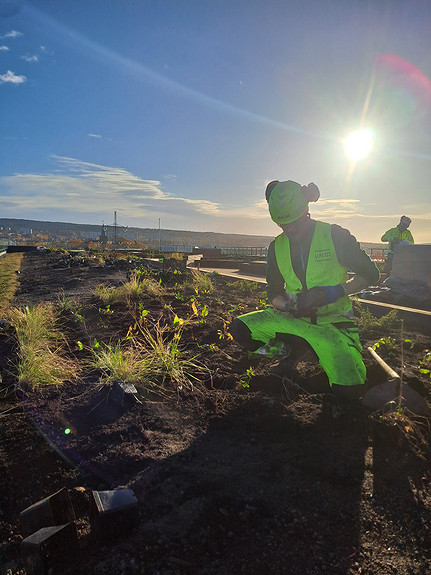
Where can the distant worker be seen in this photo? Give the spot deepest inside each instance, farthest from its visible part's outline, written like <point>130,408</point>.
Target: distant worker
<point>394,236</point>
<point>308,286</point>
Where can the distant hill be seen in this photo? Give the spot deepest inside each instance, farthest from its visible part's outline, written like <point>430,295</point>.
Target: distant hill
<point>61,231</point>
<point>151,236</point>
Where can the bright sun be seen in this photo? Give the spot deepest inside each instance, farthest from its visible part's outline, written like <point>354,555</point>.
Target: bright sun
<point>359,144</point>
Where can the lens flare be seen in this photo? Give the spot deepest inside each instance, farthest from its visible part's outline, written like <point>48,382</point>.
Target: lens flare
<point>359,144</point>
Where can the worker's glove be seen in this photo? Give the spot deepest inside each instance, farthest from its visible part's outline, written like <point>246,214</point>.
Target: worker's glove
<point>291,303</point>
<point>318,296</point>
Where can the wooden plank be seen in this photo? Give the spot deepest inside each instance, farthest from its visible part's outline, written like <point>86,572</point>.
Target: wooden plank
<point>393,306</point>
<point>236,274</point>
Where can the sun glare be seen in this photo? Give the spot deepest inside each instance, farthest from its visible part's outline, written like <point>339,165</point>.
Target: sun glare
<point>359,144</point>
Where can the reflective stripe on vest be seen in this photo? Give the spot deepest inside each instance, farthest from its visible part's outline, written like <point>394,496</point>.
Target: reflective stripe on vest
<point>323,268</point>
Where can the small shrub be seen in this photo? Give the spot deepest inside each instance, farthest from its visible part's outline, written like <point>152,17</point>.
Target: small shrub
<point>367,321</point>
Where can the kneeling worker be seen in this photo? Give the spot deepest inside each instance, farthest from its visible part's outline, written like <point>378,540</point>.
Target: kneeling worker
<point>308,286</point>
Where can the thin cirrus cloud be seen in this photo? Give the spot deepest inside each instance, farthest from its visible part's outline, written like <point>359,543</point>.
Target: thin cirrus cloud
<point>4,48</point>
<point>82,188</point>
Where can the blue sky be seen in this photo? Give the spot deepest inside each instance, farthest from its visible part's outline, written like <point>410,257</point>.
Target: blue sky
<point>184,110</point>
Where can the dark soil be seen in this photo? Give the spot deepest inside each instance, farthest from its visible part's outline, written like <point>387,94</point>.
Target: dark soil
<point>228,479</point>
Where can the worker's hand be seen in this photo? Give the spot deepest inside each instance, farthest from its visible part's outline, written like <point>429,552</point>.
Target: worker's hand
<point>318,296</point>
<point>290,303</point>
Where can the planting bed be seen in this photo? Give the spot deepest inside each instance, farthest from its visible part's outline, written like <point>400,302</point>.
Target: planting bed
<point>229,479</point>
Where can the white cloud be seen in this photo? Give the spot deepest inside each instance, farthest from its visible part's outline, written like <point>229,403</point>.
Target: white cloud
<point>339,201</point>
<point>11,78</point>
<point>83,192</point>
<point>33,58</point>
<point>76,187</point>
<point>4,49</point>
<point>97,136</point>
<point>12,34</point>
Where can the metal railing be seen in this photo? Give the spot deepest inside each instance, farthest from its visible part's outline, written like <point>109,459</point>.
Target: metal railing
<point>376,254</point>
<point>224,251</point>
<point>249,252</point>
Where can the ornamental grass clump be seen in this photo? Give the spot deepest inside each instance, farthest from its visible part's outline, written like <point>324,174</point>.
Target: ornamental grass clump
<point>9,268</point>
<point>133,290</point>
<point>150,359</point>
<point>41,347</point>
<point>167,365</point>
<point>118,361</point>
<point>198,282</point>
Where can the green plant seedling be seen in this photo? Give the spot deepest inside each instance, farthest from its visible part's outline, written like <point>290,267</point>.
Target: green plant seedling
<point>387,342</point>
<point>204,313</point>
<point>425,362</point>
<point>78,317</point>
<point>237,308</point>
<point>246,379</point>
<point>224,333</point>
<point>65,304</point>
<point>106,310</point>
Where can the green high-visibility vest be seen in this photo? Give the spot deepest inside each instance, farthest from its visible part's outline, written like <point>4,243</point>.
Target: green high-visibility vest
<point>323,269</point>
<point>395,234</point>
